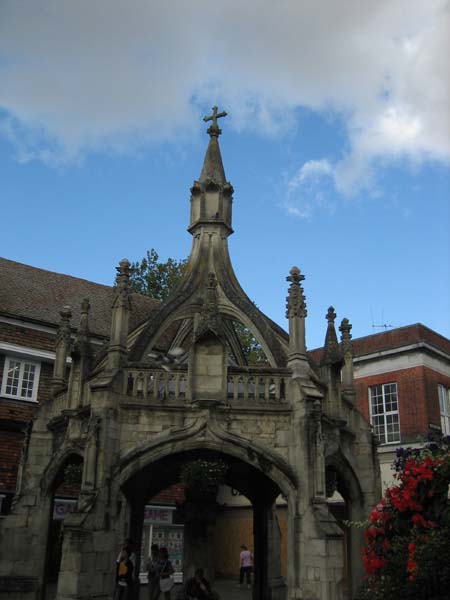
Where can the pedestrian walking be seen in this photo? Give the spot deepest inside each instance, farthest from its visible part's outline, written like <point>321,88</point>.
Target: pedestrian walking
<point>246,566</point>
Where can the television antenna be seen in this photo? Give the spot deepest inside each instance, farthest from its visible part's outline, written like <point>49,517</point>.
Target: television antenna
<point>382,325</point>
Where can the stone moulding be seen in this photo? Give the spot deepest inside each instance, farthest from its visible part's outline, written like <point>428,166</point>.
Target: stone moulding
<point>208,436</point>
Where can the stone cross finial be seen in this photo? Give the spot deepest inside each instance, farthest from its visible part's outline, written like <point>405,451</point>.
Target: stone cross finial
<point>331,315</point>
<point>214,129</point>
<point>295,301</point>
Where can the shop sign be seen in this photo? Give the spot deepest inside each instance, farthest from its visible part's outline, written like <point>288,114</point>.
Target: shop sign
<point>61,508</point>
<point>158,515</point>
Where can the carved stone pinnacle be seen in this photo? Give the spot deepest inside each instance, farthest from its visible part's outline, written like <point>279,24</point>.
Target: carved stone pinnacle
<point>295,301</point>
<point>295,276</point>
<point>331,315</point>
<point>345,329</point>
<point>124,267</point>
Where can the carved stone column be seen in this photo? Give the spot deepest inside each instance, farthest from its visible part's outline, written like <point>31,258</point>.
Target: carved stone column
<point>62,349</point>
<point>81,357</point>
<point>199,520</point>
<point>277,583</point>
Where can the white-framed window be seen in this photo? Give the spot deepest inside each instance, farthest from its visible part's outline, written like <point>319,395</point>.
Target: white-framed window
<point>20,378</point>
<point>383,402</point>
<point>444,405</point>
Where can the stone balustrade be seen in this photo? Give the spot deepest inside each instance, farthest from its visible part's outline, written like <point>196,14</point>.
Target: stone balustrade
<point>156,384</point>
<point>244,385</point>
<point>256,385</point>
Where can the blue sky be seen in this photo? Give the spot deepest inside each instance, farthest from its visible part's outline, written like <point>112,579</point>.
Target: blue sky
<point>337,144</point>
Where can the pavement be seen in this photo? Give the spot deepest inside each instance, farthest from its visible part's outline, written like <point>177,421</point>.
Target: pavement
<point>226,588</point>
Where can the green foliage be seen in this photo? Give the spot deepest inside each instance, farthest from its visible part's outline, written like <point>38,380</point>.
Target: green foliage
<point>73,473</point>
<point>408,532</point>
<point>156,279</point>
<point>251,348</point>
<point>203,477</point>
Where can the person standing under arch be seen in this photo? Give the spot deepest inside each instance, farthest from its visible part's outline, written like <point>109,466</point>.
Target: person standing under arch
<point>246,564</point>
<point>124,576</point>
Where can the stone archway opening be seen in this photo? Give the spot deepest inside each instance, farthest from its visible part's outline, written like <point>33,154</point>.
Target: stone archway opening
<point>64,492</point>
<point>344,503</point>
<point>205,532</point>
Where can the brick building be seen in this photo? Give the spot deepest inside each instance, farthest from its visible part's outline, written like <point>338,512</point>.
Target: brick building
<point>402,384</point>
<point>30,303</point>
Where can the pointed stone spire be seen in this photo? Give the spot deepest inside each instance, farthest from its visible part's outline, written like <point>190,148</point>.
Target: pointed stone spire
<point>296,313</point>
<point>212,166</point>
<point>120,315</point>
<point>347,352</point>
<point>212,169</point>
<point>331,352</point>
<point>211,195</point>
<point>62,349</point>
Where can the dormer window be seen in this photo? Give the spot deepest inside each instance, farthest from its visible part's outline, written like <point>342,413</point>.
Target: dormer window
<point>20,379</point>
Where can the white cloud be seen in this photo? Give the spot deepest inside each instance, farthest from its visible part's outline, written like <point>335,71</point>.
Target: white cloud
<point>311,170</point>
<point>108,74</point>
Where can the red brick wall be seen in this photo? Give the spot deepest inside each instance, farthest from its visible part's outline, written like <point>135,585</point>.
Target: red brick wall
<point>417,397</point>
<point>15,414</point>
<point>29,338</point>
<point>173,494</point>
<point>432,380</point>
<point>10,449</point>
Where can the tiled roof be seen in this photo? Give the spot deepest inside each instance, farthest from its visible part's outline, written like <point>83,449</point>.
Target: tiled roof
<point>394,338</point>
<point>35,294</point>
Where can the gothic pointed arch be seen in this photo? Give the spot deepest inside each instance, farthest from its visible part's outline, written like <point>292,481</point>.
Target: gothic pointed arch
<point>209,436</point>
